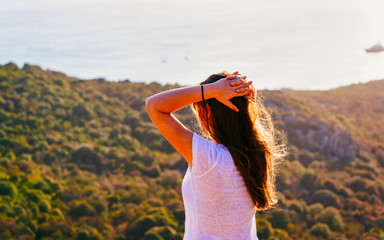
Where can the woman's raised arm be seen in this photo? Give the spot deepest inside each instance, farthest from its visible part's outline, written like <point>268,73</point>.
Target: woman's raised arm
<point>161,106</point>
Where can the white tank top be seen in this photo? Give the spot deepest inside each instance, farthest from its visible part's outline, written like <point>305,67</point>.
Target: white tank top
<point>216,201</point>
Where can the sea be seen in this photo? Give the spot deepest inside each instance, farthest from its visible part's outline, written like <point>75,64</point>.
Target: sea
<point>297,44</point>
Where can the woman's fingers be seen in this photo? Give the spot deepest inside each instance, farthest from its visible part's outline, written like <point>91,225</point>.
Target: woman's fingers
<point>241,83</point>
<point>233,75</point>
<point>253,93</point>
<point>243,91</point>
<point>230,77</point>
<point>239,80</point>
<point>245,88</point>
<point>231,105</point>
<point>227,90</point>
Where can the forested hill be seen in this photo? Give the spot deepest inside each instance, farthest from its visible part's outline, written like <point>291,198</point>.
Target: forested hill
<point>359,108</point>
<point>80,159</point>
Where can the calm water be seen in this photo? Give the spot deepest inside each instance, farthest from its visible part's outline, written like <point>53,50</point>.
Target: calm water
<point>301,44</point>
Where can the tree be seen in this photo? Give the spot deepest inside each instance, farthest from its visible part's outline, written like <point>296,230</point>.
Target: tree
<point>314,210</point>
<point>332,218</point>
<point>357,184</point>
<point>8,188</point>
<point>320,230</point>
<point>45,206</point>
<point>87,159</point>
<point>264,229</point>
<point>279,218</point>
<point>164,232</point>
<point>80,209</point>
<point>326,197</point>
<point>309,180</point>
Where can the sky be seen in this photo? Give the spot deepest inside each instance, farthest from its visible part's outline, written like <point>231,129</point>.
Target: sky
<point>300,44</point>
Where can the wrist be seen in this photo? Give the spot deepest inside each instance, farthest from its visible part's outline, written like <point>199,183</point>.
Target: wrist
<point>209,91</point>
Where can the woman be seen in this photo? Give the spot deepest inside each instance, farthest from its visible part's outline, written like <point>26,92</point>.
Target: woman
<point>231,176</point>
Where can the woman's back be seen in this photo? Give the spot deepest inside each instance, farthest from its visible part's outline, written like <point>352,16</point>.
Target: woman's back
<point>216,200</point>
<point>223,186</point>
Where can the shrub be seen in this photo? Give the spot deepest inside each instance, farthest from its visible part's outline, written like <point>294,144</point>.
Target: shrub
<point>326,197</point>
<point>379,152</point>
<point>264,229</point>
<point>81,209</point>
<point>98,205</point>
<point>35,195</point>
<point>53,228</point>
<point>309,180</point>
<point>55,186</point>
<point>87,159</point>
<point>280,234</point>
<point>42,145</point>
<point>344,192</point>
<point>330,185</point>
<point>45,206</point>
<point>297,206</point>
<point>332,218</point>
<point>306,158</point>
<point>380,222</point>
<point>50,158</point>
<point>70,167</point>
<point>18,210</point>
<point>25,165</point>
<point>357,184</point>
<point>164,232</point>
<point>170,179</point>
<point>44,186</point>
<point>7,210</point>
<point>152,236</point>
<point>141,225</point>
<point>7,188</point>
<point>57,213</point>
<point>113,199</point>
<point>153,171</point>
<point>313,210</point>
<point>320,230</point>
<point>81,111</point>
<point>82,235</point>
<point>136,195</point>
<point>25,230</point>
<point>279,218</point>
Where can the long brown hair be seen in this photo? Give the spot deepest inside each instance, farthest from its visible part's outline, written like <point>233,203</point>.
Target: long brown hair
<point>249,136</point>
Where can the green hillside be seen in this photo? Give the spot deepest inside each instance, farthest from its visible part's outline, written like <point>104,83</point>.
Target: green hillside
<point>80,159</point>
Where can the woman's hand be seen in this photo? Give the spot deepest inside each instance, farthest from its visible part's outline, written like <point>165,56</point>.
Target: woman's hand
<point>239,80</point>
<point>225,90</point>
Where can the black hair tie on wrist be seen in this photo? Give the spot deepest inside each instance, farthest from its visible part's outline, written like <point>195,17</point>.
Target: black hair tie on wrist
<point>202,92</point>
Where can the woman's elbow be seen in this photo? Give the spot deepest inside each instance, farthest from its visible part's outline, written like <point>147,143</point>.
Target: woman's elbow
<point>149,104</point>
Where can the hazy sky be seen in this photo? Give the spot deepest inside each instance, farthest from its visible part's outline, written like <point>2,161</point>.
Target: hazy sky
<point>302,44</point>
